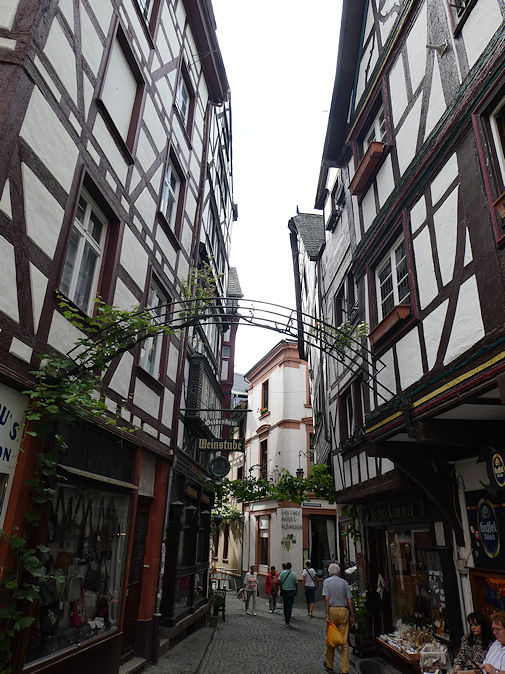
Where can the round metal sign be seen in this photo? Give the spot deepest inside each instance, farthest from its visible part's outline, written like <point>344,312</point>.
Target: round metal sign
<point>498,469</point>
<point>219,467</point>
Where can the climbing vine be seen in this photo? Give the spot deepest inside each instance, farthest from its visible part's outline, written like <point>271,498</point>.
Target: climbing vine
<point>284,487</point>
<point>67,388</point>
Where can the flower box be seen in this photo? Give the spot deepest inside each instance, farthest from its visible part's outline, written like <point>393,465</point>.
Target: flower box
<point>397,314</point>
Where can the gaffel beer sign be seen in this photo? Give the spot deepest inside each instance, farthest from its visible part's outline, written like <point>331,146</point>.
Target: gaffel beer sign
<point>214,445</point>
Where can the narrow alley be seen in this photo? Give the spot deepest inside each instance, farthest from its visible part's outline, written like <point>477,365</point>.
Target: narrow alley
<point>251,644</point>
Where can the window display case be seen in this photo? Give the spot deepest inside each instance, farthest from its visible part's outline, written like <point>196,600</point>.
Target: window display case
<point>80,599</point>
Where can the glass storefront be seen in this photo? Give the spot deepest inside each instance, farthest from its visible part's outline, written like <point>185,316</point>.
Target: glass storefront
<point>81,599</point>
<point>409,575</point>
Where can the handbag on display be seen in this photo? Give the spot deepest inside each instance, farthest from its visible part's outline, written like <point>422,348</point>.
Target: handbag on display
<point>57,513</point>
<point>93,576</point>
<point>77,615</point>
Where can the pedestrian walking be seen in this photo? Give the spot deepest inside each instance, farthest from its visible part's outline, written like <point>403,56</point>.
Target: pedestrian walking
<point>272,588</point>
<point>251,587</point>
<point>289,587</point>
<point>339,611</point>
<point>310,582</point>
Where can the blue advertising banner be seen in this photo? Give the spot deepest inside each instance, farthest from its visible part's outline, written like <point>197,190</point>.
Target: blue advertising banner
<point>486,518</point>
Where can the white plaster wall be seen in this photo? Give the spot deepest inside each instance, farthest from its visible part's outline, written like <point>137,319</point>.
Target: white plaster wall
<point>145,203</point>
<point>92,48</point>
<point>372,468</point>
<point>62,334</point>
<point>468,249</point>
<point>368,208</point>
<point>123,298</point>
<point>145,398</point>
<point>134,258</point>
<point>5,201</point>
<point>102,9</point>
<point>445,220</point>
<point>385,180</point>
<point>8,283</point>
<point>425,270</point>
<point>173,359</point>
<point>109,147</point>
<point>387,25</point>
<point>398,86</point>
<point>408,352</point>
<point>43,213</point>
<point>120,381</point>
<point>418,214</point>
<point>167,409</point>
<point>62,58</point>
<point>347,473</point>
<point>8,10</point>
<point>433,325</point>
<point>387,376</point>
<point>472,473</point>
<point>416,48</point>
<point>54,146</point>
<point>152,120</point>
<point>481,25</point>
<point>38,285</point>
<point>436,106</point>
<point>67,9</point>
<point>406,138</point>
<point>363,466</point>
<point>144,151</point>
<point>467,325</point>
<point>444,178</point>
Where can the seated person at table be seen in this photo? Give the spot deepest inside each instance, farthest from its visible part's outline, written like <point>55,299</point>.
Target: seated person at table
<point>474,645</point>
<point>494,662</point>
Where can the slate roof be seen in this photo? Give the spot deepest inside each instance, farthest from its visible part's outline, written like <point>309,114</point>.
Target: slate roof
<point>234,289</point>
<point>310,229</point>
<point>240,383</point>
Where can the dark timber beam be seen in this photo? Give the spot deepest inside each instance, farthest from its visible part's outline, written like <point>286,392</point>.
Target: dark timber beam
<point>459,432</point>
<point>438,489</point>
<point>412,450</point>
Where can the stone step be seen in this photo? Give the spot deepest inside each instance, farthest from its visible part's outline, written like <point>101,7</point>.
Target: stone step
<point>133,666</point>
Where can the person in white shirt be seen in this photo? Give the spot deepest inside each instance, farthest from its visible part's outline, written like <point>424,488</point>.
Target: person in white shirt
<point>494,662</point>
<point>310,582</point>
<point>251,589</point>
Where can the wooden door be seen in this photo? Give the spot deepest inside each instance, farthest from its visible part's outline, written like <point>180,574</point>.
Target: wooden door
<point>135,577</point>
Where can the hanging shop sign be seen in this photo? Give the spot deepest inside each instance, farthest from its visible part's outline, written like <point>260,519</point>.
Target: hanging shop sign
<point>488,528</point>
<point>219,467</point>
<point>215,445</point>
<point>397,512</point>
<point>498,469</point>
<point>486,519</point>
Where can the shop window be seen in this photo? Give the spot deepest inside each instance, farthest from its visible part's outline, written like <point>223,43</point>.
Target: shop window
<point>121,94</point>
<point>409,574</point>
<point>263,538</point>
<point>151,349</point>
<point>392,279</point>
<point>81,599</point>
<point>85,254</point>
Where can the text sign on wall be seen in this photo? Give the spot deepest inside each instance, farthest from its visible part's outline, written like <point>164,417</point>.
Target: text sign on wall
<point>214,445</point>
<point>12,418</point>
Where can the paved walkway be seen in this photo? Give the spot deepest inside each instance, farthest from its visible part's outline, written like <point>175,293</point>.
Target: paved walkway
<point>246,644</point>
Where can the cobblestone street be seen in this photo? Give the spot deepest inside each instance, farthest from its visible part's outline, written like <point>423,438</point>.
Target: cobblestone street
<point>247,644</point>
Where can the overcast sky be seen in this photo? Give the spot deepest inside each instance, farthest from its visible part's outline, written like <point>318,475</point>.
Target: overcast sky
<point>280,58</point>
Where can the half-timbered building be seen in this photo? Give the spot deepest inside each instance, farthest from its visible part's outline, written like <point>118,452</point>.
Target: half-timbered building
<point>411,186</point>
<point>115,182</point>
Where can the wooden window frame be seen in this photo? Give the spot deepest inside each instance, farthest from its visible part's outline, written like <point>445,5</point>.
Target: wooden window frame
<point>259,537</point>
<point>102,285</point>
<point>173,227</point>
<point>185,119</point>
<point>159,342</point>
<point>460,15</point>
<point>127,146</point>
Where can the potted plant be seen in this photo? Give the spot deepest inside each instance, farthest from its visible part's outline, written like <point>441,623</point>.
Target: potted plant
<point>217,602</point>
<point>361,637</point>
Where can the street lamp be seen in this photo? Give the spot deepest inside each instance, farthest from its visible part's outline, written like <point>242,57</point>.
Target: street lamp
<point>299,470</point>
<point>299,473</point>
